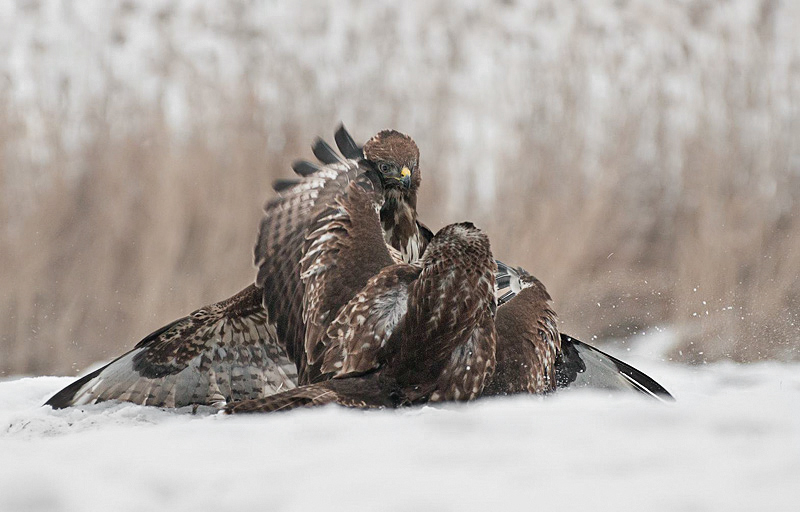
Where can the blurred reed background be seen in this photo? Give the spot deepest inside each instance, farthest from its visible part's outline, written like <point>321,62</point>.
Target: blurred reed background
<point>641,158</point>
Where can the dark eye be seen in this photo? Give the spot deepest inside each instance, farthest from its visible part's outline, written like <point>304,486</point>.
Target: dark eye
<point>384,167</point>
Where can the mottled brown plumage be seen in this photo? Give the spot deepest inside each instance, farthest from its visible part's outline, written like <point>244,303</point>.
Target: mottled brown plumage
<point>300,215</point>
<point>533,357</point>
<point>528,341</point>
<point>445,349</point>
<point>246,346</point>
<point>415,333</point>
<point>237,348</point>
<point>392,151</point>
<point>365,392</point>
<point>344,249</point>
<point>222,352</point>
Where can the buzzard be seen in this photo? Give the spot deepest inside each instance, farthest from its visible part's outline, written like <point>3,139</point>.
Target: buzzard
<point>528,343</point>
<point>413,333</point>
<point>250,345</point>
<point>299,306</point>
<point>533,357</point>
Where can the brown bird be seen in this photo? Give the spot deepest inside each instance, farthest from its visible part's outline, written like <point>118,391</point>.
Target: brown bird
<point>288,224</point>
<point>412,334</point>
<point>533,357</point>
<point>528,342</point>
<point>250,345</point>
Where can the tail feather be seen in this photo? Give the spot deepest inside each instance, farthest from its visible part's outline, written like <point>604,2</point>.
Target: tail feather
<point>506,282</point>
<point>581,365</point>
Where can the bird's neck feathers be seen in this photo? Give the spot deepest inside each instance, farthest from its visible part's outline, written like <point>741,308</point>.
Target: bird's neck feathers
<point>399,222</point>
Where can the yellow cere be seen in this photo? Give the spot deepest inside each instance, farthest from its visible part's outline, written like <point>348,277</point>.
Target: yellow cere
<point>405,172</point>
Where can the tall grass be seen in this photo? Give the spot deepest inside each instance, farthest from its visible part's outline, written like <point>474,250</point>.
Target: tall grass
<point>645,185</point>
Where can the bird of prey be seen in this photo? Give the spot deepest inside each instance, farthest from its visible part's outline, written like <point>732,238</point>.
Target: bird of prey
<point>528,341</point>
<point>534,357</point>
<point>298,306</point>
<point>413,333</point>
<point>250,345</point>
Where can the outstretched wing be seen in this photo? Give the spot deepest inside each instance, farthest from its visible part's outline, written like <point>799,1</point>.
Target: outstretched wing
<point>533,357</point>
<point>223,352</point>
<point>344,248</point>
<point>582,365</point>
<point>282,239</point>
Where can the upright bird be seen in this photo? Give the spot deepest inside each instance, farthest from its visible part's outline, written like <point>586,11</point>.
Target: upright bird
<point>251,345</point>
<point>413,333</point>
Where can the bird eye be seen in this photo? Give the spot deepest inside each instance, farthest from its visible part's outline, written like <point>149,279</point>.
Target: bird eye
<point>384,167</point>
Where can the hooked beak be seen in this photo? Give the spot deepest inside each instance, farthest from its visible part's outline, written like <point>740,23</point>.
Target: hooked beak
<point>404,177</point>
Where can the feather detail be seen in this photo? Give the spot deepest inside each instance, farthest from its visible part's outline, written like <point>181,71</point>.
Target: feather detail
<point>347,145</point>
<point>226,351</point>
<point>581,365</point>
<point>365,392</point>
<point>325,153</point>
<point>304,168</point>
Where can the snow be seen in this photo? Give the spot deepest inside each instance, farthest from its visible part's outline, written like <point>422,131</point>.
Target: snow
<point>731,441</point>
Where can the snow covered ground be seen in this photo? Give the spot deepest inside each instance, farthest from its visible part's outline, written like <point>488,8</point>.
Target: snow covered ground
<point>731,441</point>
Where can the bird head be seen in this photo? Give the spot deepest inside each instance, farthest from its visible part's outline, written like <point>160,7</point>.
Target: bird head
<point>461,242</point>
<point>395,157</point>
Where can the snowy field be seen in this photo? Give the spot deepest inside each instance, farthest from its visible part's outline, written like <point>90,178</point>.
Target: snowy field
<point>730,442</point>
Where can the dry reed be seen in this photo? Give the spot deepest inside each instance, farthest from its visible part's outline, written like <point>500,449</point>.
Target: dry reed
<point>646,224</point>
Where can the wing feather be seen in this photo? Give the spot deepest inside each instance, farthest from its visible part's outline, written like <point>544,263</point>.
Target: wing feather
<point>344,249</point>
<point>354,340</point>
<point>582,365</point>
<point>281,242</point>
<point>225,351</point>
<point>325,153</point>
<point>365,392</point>
<point>347,145</point>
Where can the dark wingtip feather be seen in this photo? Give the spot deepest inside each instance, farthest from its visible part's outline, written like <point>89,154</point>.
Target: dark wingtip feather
<point>644,382</point>
<point>571,363</point>
<point>324,152</point>
<point>282,184</point>
<point>304,168</point>
<point>346,144</point>
<point>64,398</point>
